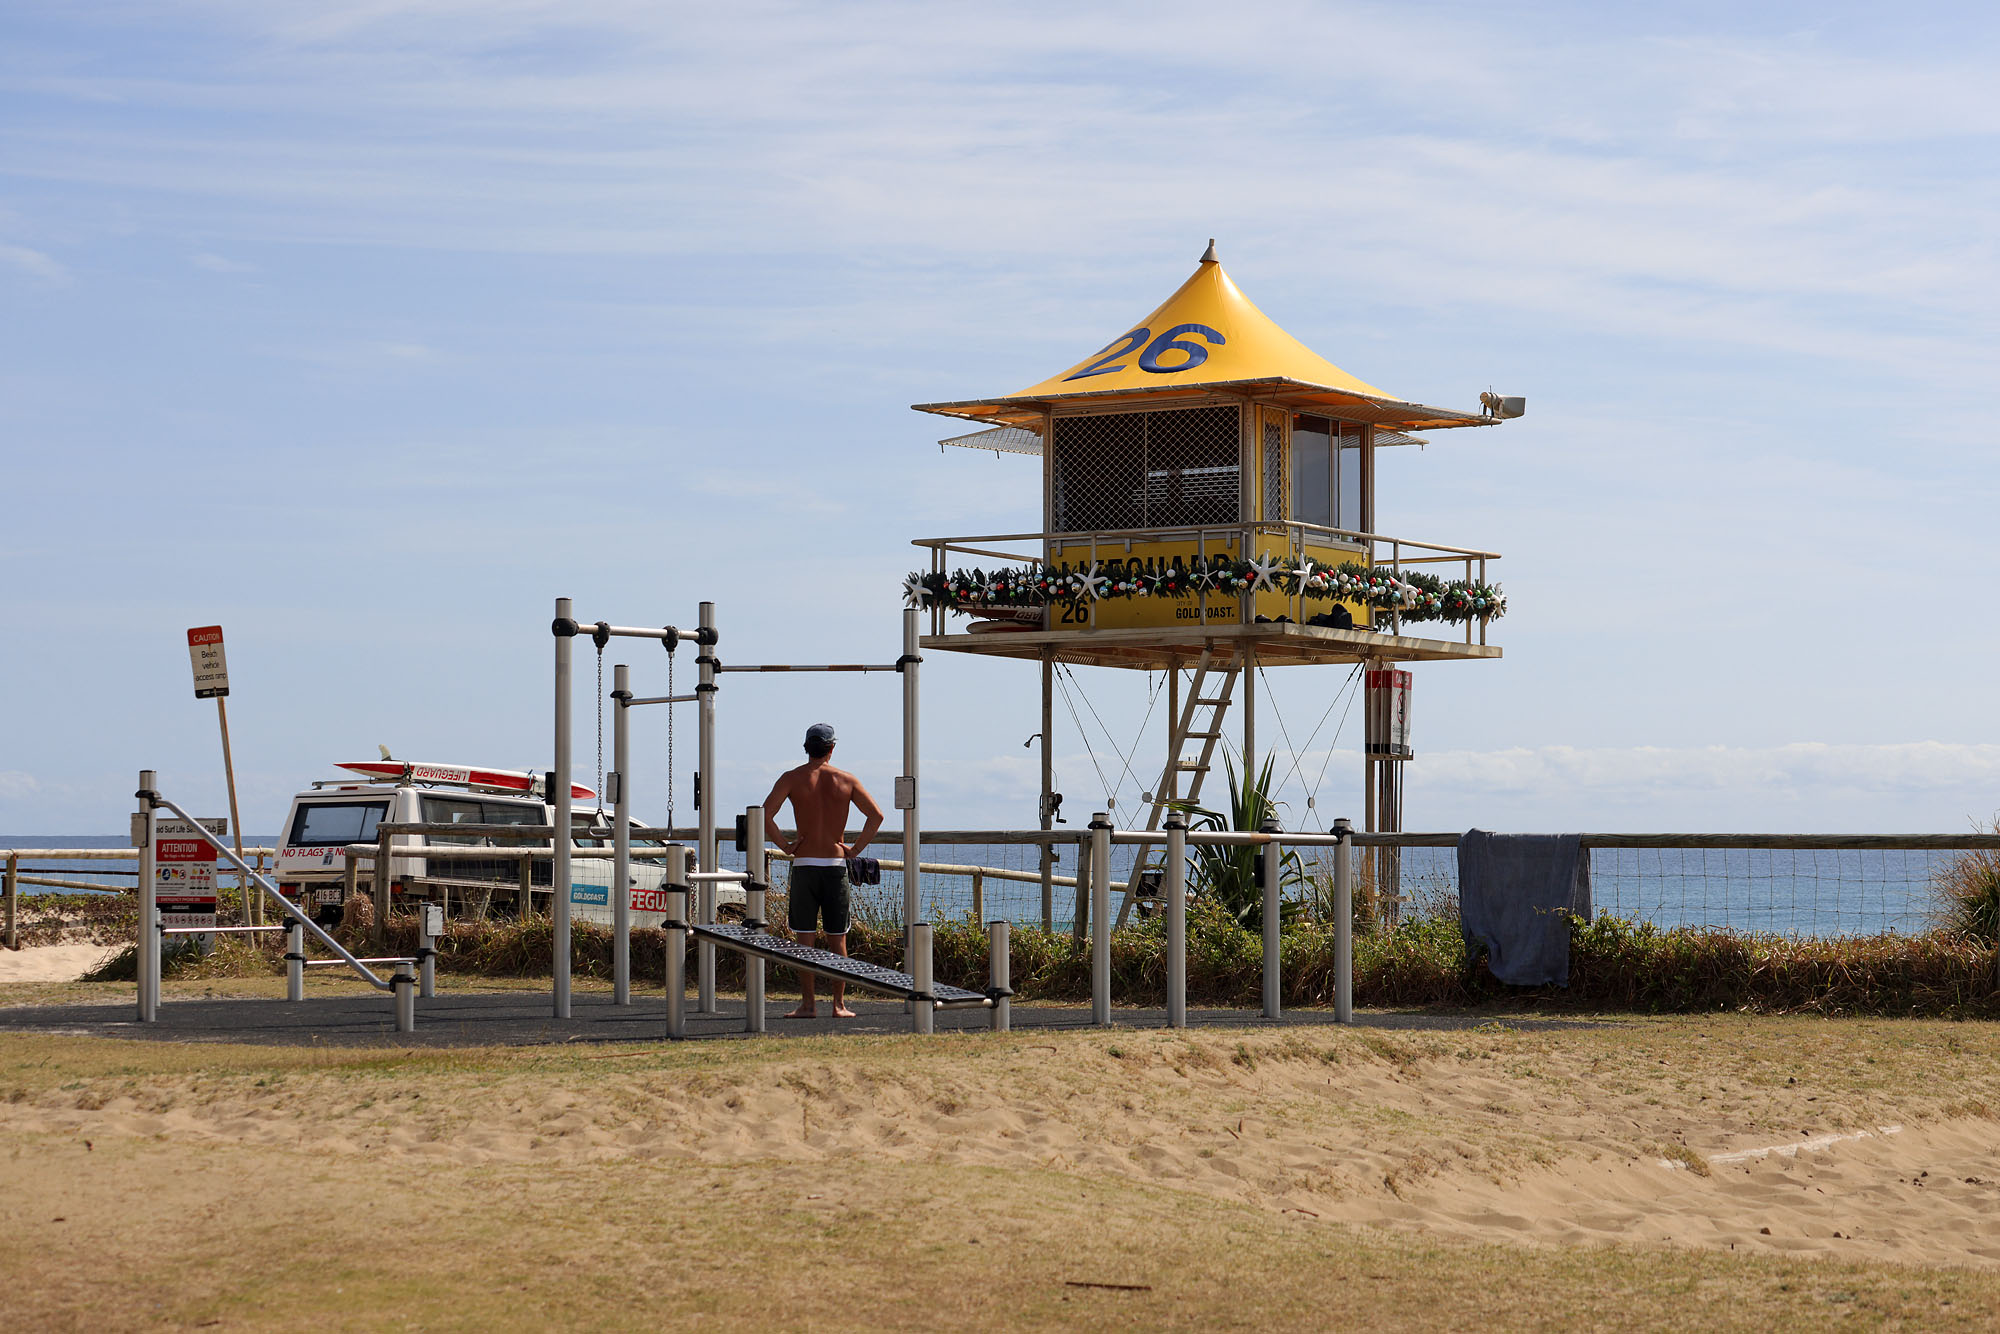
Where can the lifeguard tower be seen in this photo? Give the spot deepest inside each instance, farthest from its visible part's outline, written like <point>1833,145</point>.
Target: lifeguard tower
<point>1208,507</point>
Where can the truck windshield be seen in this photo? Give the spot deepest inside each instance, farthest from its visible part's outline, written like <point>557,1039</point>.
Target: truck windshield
<point>318,826</point>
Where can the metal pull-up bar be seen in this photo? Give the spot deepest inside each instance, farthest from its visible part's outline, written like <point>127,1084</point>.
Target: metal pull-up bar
<point>836,667</point>
<point>566,628</point>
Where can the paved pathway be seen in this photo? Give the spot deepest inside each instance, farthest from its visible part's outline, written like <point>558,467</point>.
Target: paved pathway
<point>522,1018</point>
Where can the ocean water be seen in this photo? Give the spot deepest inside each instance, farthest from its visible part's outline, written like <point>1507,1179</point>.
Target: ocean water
<point>1774,891</point>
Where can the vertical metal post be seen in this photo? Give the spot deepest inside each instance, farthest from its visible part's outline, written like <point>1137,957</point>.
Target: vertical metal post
<point>427,950</point>
<point>920,973</point>
<point>149,912</point>
<point>1079,924</point>
<point>378,931</point>
<point>1343,922</point>
<point>1000,974</point>
<point>705,794</point>
<point>675,927</point>
<point>1048,789</point>
<point>1176,887</point>
<point>1273,855</point>
<point>295,961</point>
<point>621,837</point>
<point>1249,661</point>
<point>913,908</point>
<point>1100,918</point>
<point>404,984</point>
<point>559,874</point>
<point>753,917</point>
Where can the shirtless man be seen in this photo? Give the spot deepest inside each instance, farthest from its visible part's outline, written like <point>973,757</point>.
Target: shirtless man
<point>820,795</point>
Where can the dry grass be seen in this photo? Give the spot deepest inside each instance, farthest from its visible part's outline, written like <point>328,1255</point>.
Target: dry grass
<point>1615,964</point>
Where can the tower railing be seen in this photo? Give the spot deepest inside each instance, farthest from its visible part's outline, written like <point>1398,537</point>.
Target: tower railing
<point>1255,539</point>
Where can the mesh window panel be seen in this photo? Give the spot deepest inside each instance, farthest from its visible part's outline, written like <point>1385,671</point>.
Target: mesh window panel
<point>1145,469</point>
<point>1274,466</point>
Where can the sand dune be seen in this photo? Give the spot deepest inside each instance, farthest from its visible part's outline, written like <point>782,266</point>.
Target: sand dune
<point>1467,1136</point>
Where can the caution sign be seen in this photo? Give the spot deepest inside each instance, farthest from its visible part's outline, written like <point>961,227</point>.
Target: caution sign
<point>211,670</point>
<point>184,871</point>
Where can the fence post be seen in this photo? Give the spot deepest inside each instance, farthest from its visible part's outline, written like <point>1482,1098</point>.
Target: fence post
<point>1176,888</point>
<point>13,900</point>
<point>1100,918</point>
<point>920,973</point>
<point>1343,922</point>
<point>1079,924</point>
<point>978,897</point>
<point>1273,855</point>
<point>295,961</point>
<point>378,931</point>
<point>675,927</point>
<point>1000,974</point>
<point>430,920</point>
<point>526,907</point>
<point>148,942</point>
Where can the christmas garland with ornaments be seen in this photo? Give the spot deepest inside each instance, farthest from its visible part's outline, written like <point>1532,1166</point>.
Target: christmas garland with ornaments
<point>1416,594</point>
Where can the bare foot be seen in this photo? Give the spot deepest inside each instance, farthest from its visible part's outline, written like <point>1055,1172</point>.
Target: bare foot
<point>842,1012</point>
<point>805,1012</point>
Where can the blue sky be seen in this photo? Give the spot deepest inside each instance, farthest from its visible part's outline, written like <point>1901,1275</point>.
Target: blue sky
<point>368,329</point>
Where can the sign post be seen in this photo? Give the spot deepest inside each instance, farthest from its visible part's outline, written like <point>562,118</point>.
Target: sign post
<point>211,681</point>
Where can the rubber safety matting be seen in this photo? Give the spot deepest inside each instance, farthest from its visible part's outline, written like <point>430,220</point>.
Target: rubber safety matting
<point>828,964</point>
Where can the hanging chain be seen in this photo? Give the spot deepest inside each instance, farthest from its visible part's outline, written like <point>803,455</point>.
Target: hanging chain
<point>600,727</point>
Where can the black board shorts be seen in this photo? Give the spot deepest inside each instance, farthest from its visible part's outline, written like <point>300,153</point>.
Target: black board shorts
<point>818,892</point>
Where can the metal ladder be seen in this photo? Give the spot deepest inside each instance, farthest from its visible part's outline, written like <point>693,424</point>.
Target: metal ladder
<point>1217,706</point>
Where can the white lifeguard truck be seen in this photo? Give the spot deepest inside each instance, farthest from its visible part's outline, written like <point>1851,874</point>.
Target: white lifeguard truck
<point>334,813</point>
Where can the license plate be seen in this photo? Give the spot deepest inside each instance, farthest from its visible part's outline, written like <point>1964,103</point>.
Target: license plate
<point>327,895</point>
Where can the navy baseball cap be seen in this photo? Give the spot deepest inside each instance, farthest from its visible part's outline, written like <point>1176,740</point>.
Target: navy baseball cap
<point>819,734</point>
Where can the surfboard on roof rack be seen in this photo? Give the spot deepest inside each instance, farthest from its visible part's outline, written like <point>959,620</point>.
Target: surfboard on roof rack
<point>459,775</point>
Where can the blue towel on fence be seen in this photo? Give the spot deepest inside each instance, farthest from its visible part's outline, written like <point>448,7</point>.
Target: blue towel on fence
<point>1513,890</point>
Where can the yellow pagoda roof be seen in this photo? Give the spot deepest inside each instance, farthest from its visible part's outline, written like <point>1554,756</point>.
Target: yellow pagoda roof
<point>1204,340</point>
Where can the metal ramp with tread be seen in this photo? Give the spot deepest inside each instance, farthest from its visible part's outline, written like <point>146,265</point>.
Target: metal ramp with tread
<point>839,967</point>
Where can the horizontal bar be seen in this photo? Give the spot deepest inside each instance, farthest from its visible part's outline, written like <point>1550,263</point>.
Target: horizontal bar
<point>585,629</point>
<point>55,882</point>
<point>888,836</point>
<point>661,699</point>
<point>334,963</point>
<point>719,875</point>
<point>1751,842</point>
<point>794,667</point>
<point>218,930</point>
<point>99,854</point>
<point>1250,528</point>
<point>984,1003</point>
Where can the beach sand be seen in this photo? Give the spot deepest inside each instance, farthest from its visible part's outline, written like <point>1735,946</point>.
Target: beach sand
<point>1749,1137</point>
<point>52,963</point>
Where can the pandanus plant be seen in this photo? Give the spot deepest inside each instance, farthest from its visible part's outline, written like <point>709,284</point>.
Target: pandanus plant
<point>1226,875</point>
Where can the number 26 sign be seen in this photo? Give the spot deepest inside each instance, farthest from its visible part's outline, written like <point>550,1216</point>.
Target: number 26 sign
<point>1174,340</point>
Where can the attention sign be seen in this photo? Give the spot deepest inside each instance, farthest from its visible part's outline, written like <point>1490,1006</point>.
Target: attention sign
<point>211,671</point>
<point>184,869</point>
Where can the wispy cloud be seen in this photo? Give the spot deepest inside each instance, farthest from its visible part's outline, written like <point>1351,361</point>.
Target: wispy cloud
<point>33,262</point>
<point>220,264</point>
